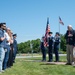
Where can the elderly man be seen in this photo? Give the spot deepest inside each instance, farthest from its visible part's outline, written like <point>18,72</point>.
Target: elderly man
<point>70,41</point>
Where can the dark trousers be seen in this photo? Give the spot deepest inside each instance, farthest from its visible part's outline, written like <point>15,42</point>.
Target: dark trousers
<point>14,54</point>
<point>50,53</point>
<point>10,61</point>
<point>43,54</point>
<point>56,48</point>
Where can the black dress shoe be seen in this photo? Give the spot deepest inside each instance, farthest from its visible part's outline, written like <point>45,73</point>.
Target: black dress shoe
<point>49,60</point>
<point>68,64</point>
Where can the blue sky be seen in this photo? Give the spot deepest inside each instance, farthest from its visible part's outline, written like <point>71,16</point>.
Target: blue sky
<point>28,18</point>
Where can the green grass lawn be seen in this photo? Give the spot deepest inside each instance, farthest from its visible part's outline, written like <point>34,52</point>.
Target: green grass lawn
<point>24,67</point>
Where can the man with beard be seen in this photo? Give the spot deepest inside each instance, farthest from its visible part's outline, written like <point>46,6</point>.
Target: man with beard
<point>2,45</point>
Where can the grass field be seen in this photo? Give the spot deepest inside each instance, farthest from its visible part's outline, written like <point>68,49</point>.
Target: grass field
<point>25,67</point>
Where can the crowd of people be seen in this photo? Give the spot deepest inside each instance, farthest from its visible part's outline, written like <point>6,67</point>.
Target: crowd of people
<point>8,47</point>
<point>54,45</point>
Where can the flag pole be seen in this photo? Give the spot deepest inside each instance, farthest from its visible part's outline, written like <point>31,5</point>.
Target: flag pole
<point>60,22</point>
<point>60,36</point>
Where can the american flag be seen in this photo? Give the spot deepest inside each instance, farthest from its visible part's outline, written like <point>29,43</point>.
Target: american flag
<point>60,21</point>
<point>46,33</point>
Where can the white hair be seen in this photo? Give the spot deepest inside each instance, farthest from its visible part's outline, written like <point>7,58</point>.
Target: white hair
<point>8,28</point>
<point>70,26</point>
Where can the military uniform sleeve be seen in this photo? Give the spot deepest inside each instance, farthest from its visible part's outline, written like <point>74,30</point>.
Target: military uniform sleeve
<point>0,34</point>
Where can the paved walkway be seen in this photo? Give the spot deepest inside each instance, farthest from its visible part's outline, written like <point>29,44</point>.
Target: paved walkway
<point>47,63</point>
<point>37,56</point>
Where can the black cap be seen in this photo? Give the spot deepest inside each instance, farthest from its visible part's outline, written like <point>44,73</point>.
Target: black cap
<point>43,36</point>
<point>50,33</point>
<point>57,33</point>
<point>14,34</point>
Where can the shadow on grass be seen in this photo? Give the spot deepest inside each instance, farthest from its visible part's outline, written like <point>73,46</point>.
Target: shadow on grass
<point>47,64</point>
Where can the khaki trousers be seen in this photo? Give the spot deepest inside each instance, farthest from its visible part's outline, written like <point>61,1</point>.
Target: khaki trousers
<point>69,53</point>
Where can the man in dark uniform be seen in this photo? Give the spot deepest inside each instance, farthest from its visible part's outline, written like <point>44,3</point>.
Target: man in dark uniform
<point>43,49</point>
<point>56,46</point>
<point>50,43</point>
<point>14,46</point>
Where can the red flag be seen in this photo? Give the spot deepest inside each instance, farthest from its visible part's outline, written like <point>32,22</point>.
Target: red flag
<point>46,33</point>
<point>60,21</point>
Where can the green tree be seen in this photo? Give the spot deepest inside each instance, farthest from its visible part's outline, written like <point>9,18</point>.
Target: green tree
<point>36,44</point>
<point>24,47</point>
<point>63,43</point>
